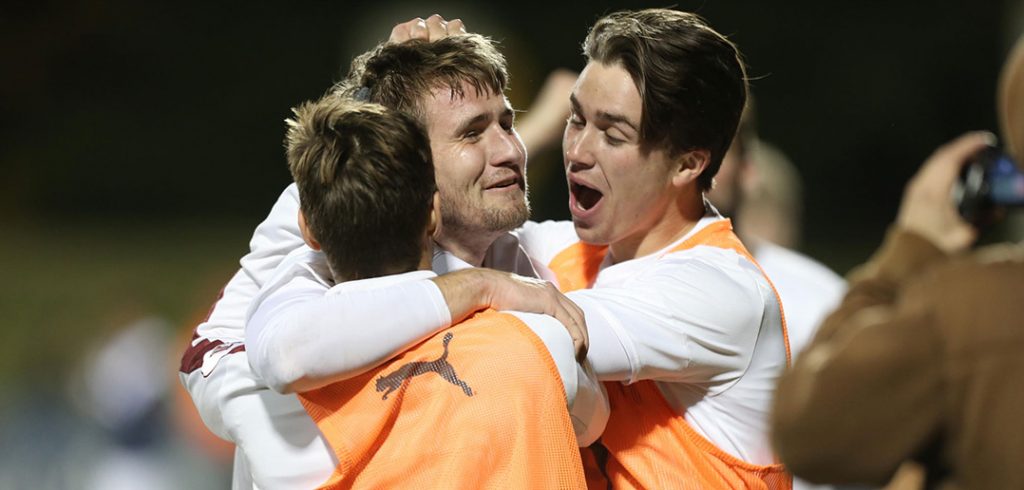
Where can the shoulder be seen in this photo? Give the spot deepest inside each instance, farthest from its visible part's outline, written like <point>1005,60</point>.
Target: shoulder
<point>544,240</point>
<point>986,275</point>
<point>302,268</point>
<point>974,299</point>
<point>719,283</point>
<point>711,268</point>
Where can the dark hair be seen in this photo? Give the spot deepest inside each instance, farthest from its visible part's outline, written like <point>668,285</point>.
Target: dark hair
<point>366,181</point>
<point>691,79</point>
<point>401,75</point>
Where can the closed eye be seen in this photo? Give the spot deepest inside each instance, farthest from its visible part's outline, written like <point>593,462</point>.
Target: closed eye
<point>575,119</point>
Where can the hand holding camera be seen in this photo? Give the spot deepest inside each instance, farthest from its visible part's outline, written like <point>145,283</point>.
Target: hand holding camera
<point>987,185</point>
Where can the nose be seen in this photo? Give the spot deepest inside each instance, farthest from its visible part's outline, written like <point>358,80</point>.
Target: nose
<point>507,149</point>
<point>577,144</point>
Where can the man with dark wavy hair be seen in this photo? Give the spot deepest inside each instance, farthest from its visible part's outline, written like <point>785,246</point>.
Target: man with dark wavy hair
<point>683,324</point>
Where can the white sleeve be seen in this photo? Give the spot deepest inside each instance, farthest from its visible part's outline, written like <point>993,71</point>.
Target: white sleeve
<point>272,240</point>
<point>223,331</point>
<point>300,339</point>
<point>687,320</point>
<point>587,400</point>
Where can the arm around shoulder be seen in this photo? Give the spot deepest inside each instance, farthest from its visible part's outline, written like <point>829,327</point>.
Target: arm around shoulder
<point>300,338</point>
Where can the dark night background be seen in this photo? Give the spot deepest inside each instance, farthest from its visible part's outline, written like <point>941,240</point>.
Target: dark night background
<point>141,142</point>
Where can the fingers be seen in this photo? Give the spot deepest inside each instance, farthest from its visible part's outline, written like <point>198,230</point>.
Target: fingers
<point>455,27</point>
<point>430,29</point>
<point>940,171</point>
<point>507,291</point>
<point>572,317</point>
<point>927,207</point>
<point>402,32</point>
<point>946,162</point>
<point>437,27</point>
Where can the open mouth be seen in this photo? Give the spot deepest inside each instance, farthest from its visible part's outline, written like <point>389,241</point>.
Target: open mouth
<point>585,197</point>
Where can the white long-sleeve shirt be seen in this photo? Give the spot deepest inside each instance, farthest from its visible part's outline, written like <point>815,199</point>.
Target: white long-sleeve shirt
<point>295,331</point>
<point>703,323</point>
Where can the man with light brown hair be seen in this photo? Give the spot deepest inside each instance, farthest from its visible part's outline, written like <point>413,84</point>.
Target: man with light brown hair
<point>366,184</point>
<point>476,151</point>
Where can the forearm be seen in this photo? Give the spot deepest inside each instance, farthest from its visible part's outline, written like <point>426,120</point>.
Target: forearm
<point>610,356</point>
<point>465,292</point>
<point>307,341</point>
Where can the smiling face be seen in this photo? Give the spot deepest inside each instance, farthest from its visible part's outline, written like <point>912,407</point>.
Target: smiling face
<point>480,164</point>
<point>619,195</point>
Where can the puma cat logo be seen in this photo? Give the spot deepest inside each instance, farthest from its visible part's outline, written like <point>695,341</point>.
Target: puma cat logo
<point>441,366</point>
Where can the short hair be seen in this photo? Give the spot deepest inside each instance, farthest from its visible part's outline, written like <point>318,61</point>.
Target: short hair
<point>401,75</point>
<point>366,181</point>
<point>691,79</point>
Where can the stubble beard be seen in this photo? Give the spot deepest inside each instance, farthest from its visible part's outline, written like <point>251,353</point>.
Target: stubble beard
<point>461,217</point>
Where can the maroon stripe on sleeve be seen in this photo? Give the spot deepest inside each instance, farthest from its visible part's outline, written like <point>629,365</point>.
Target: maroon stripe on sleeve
<point>192,358</point>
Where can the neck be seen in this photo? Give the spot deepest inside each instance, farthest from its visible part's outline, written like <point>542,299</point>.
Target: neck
<point>468,247</point>
<point>675,221</point>
<point>384,271</point>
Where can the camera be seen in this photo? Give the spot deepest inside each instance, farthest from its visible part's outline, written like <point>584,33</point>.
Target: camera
<point>986,185</point>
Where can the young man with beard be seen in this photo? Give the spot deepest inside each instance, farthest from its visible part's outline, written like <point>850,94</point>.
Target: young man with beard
<point>366,183</point>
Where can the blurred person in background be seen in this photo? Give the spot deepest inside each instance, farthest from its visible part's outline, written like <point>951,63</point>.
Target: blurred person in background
<point>759,189</point>
<point>921,361</point>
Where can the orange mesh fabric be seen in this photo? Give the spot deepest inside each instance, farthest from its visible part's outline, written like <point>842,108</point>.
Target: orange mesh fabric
<point>649,445</point>
<point>576,267</point>
<point>479,405</point>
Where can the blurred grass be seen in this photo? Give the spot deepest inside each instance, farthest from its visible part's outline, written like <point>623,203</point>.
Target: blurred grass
<point>69,286</point>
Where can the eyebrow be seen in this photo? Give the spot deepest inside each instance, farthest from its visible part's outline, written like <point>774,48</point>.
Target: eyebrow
<point>482,118</point>
<point>475,121</point>
<point>604,115</point>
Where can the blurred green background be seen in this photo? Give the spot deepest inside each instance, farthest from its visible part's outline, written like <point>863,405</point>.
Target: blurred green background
<point>141,142</point>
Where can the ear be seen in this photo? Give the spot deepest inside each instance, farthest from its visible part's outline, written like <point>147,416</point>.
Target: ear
<point>434,222</point>
<point>433,228</point>
<point>688,166</point>
<point>1011,98</point>
<point>307,235</point>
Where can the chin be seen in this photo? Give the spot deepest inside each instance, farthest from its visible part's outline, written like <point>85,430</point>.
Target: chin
<point>590,235</point>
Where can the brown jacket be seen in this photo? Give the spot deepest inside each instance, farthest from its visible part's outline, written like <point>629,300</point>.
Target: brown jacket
<point>923,361</point>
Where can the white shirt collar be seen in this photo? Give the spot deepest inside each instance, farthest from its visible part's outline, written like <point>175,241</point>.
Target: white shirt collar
<point>505,254</point>
<point>380,282</point>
